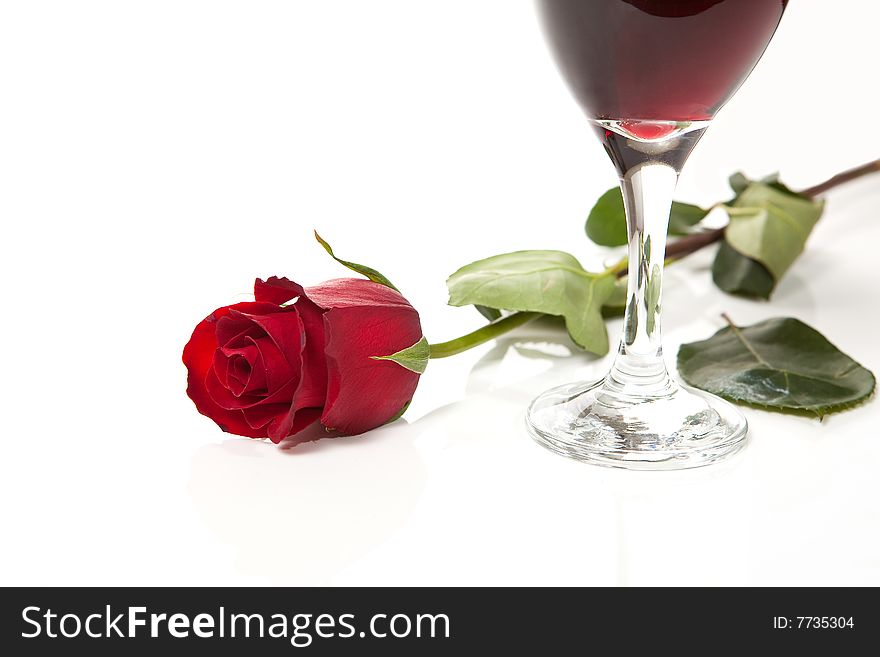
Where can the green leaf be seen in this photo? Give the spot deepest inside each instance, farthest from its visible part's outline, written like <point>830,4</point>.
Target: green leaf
<point>615,304</point>
<point>550,282</point>
<point>414,358</point>
<point>369,272</point>
<point>779,364</point>
<point>489,313</point>
<point>684,217</point>
<point>606,224</point>
<point>773,181</point>
<point>734,271</point>
<point>739,182</point>
<point>736,274</point>
<point>631,321</point>
<point>652,297</point>
<point>771,226</point>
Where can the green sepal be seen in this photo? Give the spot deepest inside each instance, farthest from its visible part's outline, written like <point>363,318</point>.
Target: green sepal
<point>369,272</point>
<point>400,412</point>
<point>414,358</point>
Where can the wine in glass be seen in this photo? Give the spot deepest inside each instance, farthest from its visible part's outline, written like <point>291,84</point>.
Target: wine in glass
<point>650,75</point>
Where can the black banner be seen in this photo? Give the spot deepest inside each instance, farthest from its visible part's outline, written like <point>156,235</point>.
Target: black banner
<point>336,621</point>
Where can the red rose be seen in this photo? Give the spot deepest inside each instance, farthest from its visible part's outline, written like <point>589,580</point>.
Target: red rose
<point>263,370</point>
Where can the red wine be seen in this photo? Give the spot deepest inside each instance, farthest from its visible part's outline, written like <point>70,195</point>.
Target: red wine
<point>657,60</point>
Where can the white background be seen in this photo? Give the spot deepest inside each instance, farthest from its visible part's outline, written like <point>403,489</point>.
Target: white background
<point>156,156</point>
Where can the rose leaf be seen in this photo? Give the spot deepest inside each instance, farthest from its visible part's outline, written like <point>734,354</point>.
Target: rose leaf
<point>490,314</point>
<point>550,282</point>
<point>736,274</point>
<point>615,304</point>
<point>779,365</point>
<point>771,226</point>
<point>606,224</point>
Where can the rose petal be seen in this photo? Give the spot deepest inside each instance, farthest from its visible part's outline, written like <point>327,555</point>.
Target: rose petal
<point>312,389</point>
<point>244,378</point>
<point>305,418</point>
<point>280,343</point>
<point>233,329</point>
<point>302,419</point>
<point>198,357</point>
<point>233,367</point>
<point>255,383</point>
<point>260,416</point>
<point>276,370</point>
<point>285,329</point>
<point>363,393</point>
<point>238,375</point>
<point>355,293</point>
<point>276,290</point>
<point>224,397</point>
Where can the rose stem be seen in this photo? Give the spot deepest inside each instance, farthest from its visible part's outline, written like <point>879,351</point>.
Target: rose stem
<point>693,243</point>
<point>841,178</point>
<point>481,335</point>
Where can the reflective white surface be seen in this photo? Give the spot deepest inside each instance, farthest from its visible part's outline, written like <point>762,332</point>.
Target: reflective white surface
<point>156,158</point>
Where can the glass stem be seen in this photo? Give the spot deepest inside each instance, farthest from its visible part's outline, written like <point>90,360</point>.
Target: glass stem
<point>648,172</point>
<point>647,193</point>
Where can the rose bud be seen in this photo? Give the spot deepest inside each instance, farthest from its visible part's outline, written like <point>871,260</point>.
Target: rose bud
<point>347,353</point>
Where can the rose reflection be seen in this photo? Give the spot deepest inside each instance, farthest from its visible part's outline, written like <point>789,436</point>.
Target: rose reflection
<point>292,519</point>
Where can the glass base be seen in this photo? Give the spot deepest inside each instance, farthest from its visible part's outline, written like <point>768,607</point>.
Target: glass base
<point>597,423</point>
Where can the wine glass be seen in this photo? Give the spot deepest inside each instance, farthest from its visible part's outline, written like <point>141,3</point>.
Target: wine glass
<point>650,75</point>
